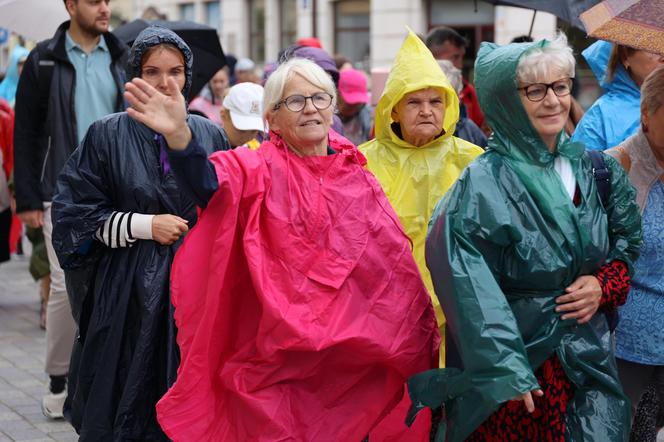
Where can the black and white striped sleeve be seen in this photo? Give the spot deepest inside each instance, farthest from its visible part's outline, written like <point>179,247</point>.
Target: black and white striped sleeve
<point>122,229</point>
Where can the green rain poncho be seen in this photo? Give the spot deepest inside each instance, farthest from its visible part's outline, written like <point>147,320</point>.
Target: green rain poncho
<point>502,245</point>
<point>415,178</point>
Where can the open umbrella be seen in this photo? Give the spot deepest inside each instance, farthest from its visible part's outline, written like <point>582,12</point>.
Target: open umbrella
<point>203,41</point>
<point>33,19</point>
<point>567,10</point>
<point>635,23</point>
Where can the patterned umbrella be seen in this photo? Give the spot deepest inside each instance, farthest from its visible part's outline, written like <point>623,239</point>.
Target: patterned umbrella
<point>635,23</point>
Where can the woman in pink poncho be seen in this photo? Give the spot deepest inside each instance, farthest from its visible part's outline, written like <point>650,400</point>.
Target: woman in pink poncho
<point>299,307</point>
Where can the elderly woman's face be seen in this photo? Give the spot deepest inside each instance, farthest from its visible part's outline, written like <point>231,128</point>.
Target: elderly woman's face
<point>547,104</point>
<point>420,115</point>
<point>306,130</point>
<point>161,64</point>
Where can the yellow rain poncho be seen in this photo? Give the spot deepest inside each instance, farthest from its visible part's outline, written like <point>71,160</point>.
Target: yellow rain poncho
<point>415,178</point>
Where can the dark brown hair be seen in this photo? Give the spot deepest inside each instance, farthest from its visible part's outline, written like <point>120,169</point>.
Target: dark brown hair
<point>619,54</point>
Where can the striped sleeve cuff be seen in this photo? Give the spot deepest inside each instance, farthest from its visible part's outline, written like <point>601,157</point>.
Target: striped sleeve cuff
<point>122,229</point>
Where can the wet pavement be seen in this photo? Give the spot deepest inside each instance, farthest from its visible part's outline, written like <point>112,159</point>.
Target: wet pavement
<point>22,378</point>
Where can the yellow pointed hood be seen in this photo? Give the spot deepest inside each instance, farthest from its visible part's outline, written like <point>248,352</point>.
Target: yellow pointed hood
<point>414,68</point>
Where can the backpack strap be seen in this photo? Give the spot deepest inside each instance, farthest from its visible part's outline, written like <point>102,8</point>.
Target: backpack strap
<point>45,76</point>
<point>602,177</point>
<point>601,174</point>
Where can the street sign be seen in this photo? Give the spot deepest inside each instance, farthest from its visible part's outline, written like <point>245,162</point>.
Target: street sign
<point>4,35</point>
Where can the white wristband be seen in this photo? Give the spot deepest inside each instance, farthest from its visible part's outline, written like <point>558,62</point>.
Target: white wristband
<point>141,226</point>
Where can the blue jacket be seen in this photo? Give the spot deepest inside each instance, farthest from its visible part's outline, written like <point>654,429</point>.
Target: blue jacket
<point>616,114</point>
<point>10,83</point>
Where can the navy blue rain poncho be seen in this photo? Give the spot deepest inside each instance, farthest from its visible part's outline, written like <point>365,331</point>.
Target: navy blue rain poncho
<point>125,357</point>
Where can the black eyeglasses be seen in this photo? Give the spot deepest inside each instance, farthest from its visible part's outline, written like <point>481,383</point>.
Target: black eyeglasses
<point>537,91</point>
<point>295,103</point>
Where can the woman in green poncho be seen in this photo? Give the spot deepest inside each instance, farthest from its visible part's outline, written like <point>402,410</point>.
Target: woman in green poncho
<point>524,258</point>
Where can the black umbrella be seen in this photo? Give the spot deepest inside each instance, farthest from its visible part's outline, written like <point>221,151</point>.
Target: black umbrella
<point>567,10</point>
<point>203,41</point>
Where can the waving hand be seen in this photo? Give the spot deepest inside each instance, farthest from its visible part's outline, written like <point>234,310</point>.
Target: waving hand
<point>166,114</point>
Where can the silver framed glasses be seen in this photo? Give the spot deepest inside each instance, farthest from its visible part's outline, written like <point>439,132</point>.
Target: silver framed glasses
<point>537,91</point>
<point>295,103</point>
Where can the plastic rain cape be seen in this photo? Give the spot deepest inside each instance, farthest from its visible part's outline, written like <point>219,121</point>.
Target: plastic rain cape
<point>502,245</point>
<point>299,307</point>
<point>415,178</point>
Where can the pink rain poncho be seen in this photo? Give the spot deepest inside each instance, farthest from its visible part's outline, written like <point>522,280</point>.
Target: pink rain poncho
<point>300,309</point>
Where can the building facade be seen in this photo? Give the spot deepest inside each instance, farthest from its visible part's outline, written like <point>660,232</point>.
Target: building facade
<point>367,32</point>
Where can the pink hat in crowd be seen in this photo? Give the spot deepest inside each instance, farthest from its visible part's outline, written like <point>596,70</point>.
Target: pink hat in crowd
<point>353,86</point>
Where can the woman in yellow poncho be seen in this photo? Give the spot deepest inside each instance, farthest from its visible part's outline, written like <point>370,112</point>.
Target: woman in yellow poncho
<point>414,155</point>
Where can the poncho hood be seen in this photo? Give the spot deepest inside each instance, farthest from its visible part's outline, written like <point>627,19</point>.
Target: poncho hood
<point>520,144</point>
<point>496,83</point>
<point>414,69</point>
<point>153,36</point>
<point>597,55</point>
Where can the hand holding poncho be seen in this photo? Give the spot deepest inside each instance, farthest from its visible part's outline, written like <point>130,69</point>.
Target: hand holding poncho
<point>502,246</point>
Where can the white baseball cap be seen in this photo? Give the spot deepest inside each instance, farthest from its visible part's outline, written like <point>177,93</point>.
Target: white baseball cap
<point>244,101</point>
<point>245,64</point>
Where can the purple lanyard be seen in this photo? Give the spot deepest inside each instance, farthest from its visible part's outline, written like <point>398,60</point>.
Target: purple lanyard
<point>163,154</point>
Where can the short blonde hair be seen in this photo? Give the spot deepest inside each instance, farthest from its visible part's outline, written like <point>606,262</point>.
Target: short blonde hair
<point>307,69</point>
<point>540,62</point>
<point>652,91</point>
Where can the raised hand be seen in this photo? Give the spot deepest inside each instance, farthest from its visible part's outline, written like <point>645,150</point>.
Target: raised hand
<point>166,114</point>
<point>581,299</point>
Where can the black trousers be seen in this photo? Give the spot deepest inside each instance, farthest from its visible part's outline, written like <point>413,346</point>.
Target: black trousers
<point>644,386</point>
<point>5,226</point>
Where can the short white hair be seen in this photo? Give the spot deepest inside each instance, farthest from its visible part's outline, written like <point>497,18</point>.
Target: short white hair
<point>307,69</point>
<point>540,62</point>
<point>452,73</point>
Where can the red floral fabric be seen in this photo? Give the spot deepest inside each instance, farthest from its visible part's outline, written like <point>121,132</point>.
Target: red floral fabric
<point>512,422</point>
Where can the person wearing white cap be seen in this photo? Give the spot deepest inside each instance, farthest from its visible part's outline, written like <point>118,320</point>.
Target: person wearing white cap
<point>242,114</point>
<point>245,71</point>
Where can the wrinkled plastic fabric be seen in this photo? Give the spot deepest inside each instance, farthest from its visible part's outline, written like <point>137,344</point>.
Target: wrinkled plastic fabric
<point>415,178</point>
<point>300,309</point>
<point>615,115</point>
<point>125,357</point>
<point>502,245</point>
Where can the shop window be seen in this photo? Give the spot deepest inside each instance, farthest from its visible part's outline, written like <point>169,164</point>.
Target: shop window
<point>351,29</point>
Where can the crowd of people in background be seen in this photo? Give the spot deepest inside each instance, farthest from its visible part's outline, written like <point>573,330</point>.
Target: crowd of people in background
<point>279,258</point>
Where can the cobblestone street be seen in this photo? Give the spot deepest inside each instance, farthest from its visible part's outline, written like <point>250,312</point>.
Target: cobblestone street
<point>22,378</point>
